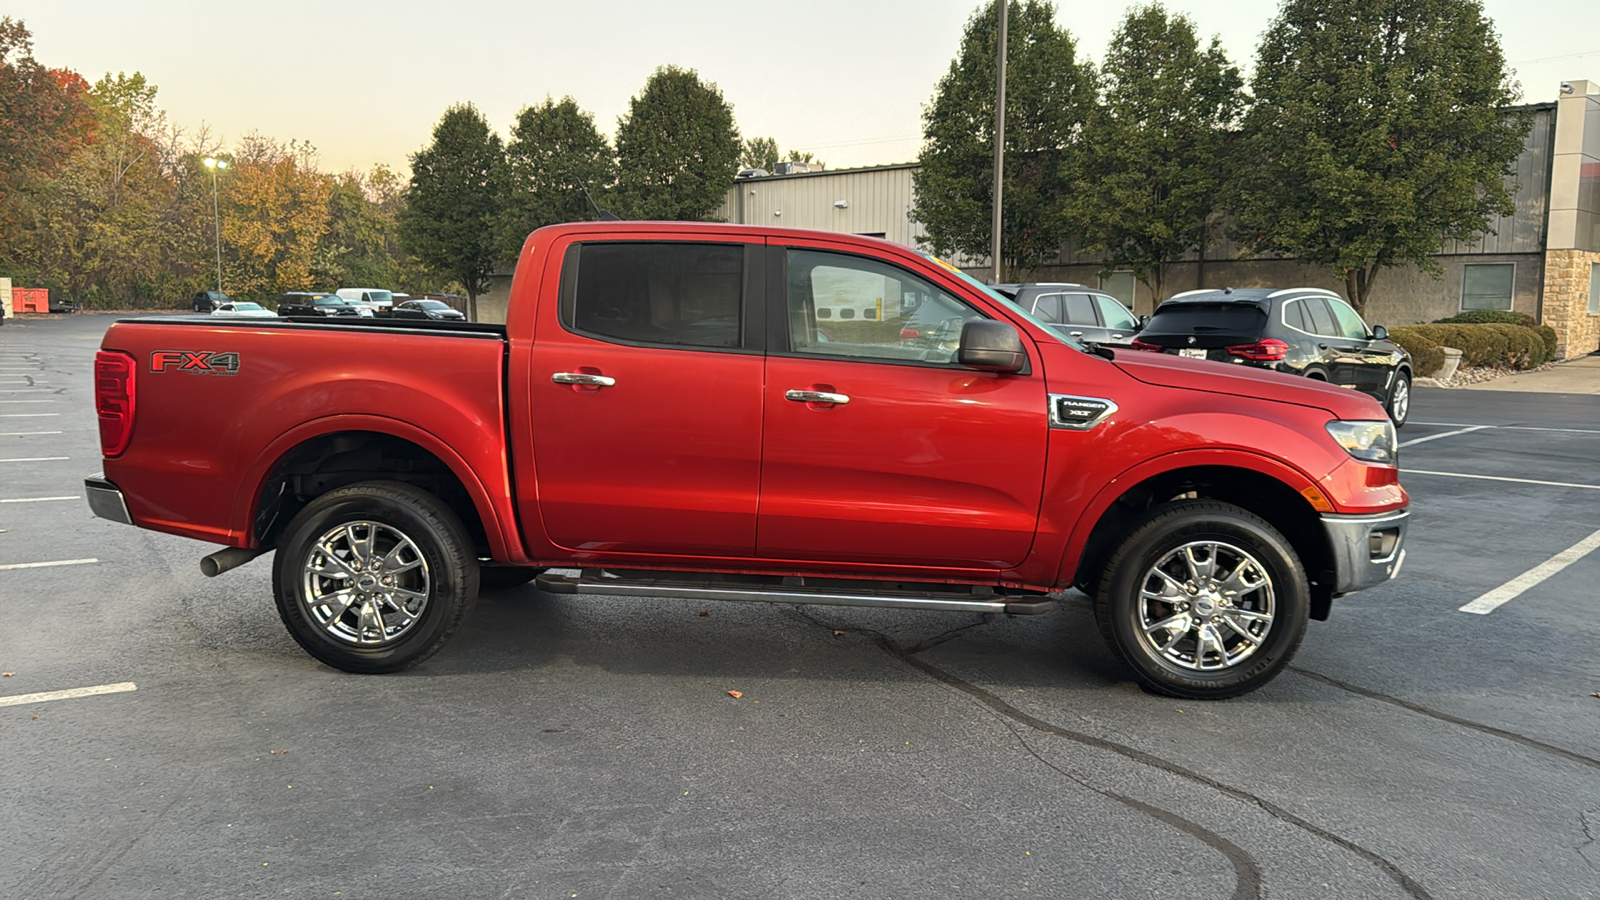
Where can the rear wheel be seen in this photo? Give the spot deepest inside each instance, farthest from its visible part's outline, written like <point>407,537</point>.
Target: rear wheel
<point>1400,400</point>
<point>1204,600</point>
<point>374,577</point>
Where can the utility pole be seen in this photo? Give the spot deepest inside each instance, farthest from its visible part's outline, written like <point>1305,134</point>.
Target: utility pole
<point>214,164</point>
<point>999,139</point>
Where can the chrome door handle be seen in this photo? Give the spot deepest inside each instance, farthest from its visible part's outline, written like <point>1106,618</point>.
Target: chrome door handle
<point>1075,333</point>
<point>583,378</point>
<point>816,397</point>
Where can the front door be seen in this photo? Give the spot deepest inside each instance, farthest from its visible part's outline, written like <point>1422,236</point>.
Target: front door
<point>646,398</point>
<point>878,447</point>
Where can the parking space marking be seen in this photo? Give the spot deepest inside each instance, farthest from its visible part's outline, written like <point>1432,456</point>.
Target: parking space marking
<point>35,459</point>
<point>1434,437</point>
<point>1564,484</point>
<point>27,415</point>
<point>47,565</point>
<point>1509,591</point>
<point>1510,427</point>
<point>26,433</point>
<point>27,401</point>
<point>37,499</point>
<point>121,687</point>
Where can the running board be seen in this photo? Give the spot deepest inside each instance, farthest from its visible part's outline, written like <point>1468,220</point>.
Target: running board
<point>953,601</point>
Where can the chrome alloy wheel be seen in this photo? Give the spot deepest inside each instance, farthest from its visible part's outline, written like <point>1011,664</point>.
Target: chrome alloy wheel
<point>1206,606</point>
<point>365,583</point>
<point>1400,403</point>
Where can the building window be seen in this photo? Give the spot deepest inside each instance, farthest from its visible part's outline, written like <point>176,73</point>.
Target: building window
<point>1594,289</point>
<point>1120,286</point>
<point>1487,286</point>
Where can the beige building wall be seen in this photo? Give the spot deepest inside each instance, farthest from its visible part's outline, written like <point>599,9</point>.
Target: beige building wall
<point>874,201</point>
<point>1573,246</point>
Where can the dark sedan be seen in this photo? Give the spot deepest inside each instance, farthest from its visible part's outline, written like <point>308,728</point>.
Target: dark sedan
<point>427,309</point>
<point>1302,331</point>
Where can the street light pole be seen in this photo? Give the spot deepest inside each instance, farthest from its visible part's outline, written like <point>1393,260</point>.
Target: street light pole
<point>214,164</point>
<point>999,140</point>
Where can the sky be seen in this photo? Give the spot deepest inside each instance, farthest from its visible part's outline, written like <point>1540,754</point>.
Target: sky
<point>365,82</point>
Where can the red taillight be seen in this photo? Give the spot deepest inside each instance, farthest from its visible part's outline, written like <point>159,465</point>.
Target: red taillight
<point>1269,350</point>
<point>1141,345</point>
<point>909,334</point>
<point>113,400</point>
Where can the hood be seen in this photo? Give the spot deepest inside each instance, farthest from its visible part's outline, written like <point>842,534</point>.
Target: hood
<point>1166,370</point>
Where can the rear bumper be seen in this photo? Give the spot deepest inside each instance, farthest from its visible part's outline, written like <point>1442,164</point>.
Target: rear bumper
<point>1367,550</point>
<point>105,499</point>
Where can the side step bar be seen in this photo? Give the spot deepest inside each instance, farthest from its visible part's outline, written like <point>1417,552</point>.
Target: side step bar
<point>598,582</point>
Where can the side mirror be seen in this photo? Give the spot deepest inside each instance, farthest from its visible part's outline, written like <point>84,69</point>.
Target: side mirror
<point>991,347</point>
<point>1380,333</point>
<point>1143,321</point>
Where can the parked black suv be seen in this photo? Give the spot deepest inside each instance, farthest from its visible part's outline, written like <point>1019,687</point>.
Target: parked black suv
<point>1076,310</point>
<point>1303,331</point>
<point>208,301</point>
<point>308,303</point>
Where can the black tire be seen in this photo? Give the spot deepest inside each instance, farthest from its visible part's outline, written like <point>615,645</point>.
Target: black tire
<point>500,578</point>
<point>1399,403</point>
<point>1244,545</point>
<point>399,552</point>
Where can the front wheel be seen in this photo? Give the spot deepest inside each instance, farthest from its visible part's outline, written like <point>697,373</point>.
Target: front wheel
<point>1204,601</point>
<point>1400,400</point>
<point>374,577</point>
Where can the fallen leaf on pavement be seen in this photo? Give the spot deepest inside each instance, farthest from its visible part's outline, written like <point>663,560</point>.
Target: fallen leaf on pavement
<point>735,694</point>
<point>837,633</point>
<point>704,612</point>
<point>7,674</point>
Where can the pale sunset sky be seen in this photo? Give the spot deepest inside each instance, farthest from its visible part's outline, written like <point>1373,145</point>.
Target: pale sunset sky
<point>365,82</point>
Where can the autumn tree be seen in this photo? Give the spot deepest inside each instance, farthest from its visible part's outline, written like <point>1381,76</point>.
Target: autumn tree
<point>554,157</point>
<point>1048,95</point>
<point>1379,131</point>
<point>1153,159</point>
<point>677,148</point>
<point>453,204</point>
<point>274,217</point>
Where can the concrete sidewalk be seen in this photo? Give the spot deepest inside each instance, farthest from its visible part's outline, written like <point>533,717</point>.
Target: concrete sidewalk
<point>1580,375</point>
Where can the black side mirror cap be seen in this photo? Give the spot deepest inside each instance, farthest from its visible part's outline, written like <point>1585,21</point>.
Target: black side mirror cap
<point>1380,333</point>
<point>991,346</point>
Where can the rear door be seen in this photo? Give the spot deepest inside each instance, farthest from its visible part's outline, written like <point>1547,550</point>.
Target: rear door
<point>877,446</point>
<point>646,394</point>
<point>1343,356</point>
<point>1370,362</point>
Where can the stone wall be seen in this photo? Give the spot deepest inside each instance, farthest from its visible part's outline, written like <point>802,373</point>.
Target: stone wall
<point>1566,300</point>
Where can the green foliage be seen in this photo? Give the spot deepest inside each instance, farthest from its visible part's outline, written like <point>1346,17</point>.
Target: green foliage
<point>448,221</point>
<point>277,213</point>
<point>1426,354</point>
<point>554,155</point>
<point>1154,157</point>
<point>677,148</point>
<point>1552,341</point>
<point>1048,95</point>
<point>1378,133</point>
<point>760,153</point>
<point>1487,316</point>
<point>1499,345</point>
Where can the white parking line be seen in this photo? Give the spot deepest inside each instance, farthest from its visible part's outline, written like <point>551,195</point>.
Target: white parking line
<point>1510,427</point>
<point>26,433</point>
<point>1564,484</point>
<point>47,696</point>
<point>28,415</point>
<point>47,565</point>
<point>36,499</point>
<point>27,401</point>
<point>35,459</point>
<point>1434,437</point>
<point>1509,591</point>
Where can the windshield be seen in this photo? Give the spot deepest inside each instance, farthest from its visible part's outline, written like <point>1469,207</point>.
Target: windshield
<point>1011,304</point>
<point>380,296</point>
<point>434,304</point>
<point>246,307</point>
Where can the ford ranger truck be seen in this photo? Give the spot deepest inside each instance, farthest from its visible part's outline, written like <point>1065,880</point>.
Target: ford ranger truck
<point>730,412</point>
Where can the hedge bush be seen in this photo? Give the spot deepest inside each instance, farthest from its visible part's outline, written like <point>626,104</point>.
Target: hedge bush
<point>1493,344</point>
<point>1426,354</point>
<point>1487,317</point>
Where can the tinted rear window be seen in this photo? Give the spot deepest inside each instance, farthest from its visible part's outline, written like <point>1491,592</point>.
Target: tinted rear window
<point>1198,318</point>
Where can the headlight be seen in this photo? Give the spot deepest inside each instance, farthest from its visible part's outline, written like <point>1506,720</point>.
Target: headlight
<point>1367,441</point>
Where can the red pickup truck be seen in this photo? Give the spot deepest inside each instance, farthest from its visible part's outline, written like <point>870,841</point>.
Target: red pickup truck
<point>743,413</point>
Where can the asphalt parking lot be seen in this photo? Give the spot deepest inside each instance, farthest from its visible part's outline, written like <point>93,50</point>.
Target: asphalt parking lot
<point>162,735</point>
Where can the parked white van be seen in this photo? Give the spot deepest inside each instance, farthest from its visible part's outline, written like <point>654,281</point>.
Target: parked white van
<point>380,301</point>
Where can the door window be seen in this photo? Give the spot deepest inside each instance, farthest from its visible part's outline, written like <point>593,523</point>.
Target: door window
<point>842,305</point>
<point>1047,308</point>
<point>1079,309</point>
<point>673,293</point>
<point>1294,316</point>
<point>1117,316</point>
<point>1322,321</point>
<point>1350,324</point>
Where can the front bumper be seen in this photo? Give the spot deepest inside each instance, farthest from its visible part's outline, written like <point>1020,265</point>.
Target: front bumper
<point>1367,550</point>
<point>105,499</point>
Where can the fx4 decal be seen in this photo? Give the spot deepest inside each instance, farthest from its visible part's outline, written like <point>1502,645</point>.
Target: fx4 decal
<point>198,362</point>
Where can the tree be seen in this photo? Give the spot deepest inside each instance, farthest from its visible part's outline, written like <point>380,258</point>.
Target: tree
<point>1154,157</point>
<point>677,148</point>
<point>1379,132</point>
<point>760,153</point>
<point>448,221</point>
<point>554,156</point>
<point>274,217</point>
<point>1048,94</point>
